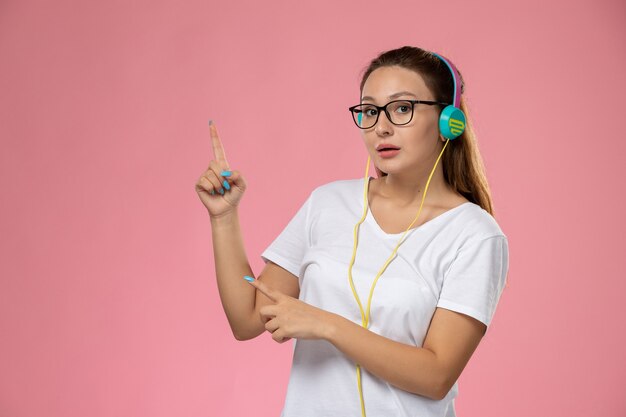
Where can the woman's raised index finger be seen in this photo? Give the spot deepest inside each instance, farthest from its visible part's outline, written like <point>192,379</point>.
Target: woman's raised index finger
<point>218,149</point>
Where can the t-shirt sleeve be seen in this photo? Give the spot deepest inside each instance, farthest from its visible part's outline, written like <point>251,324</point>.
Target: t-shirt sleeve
<point>475,279</point>
<point>289,248</point>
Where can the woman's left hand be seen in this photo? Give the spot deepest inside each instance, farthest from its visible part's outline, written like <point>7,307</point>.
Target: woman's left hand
<point>290,317</point>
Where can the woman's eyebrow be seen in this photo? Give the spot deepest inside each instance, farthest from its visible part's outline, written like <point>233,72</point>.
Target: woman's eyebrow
<point>395,95</point>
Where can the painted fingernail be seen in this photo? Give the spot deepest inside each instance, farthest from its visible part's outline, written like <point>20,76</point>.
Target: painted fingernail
<point>226,185</point>
<point>212,191</point>
<point>225,173</point>
<point>248,278</point>
<point>221,191</point>
<point>210,122</point>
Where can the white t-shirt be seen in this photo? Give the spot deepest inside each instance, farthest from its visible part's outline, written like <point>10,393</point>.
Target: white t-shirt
<point>457,260</point>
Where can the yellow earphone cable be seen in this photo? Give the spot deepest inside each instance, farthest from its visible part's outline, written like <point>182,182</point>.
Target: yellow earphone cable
<point>365,317</point>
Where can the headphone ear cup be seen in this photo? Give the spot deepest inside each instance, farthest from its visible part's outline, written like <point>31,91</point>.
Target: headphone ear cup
<point>451,122</point>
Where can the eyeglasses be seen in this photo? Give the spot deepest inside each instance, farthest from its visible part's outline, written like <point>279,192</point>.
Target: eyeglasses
<point>399,112</point>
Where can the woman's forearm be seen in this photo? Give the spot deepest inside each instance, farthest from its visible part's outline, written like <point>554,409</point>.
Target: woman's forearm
<point>231,264</point>
<point>407,367</point>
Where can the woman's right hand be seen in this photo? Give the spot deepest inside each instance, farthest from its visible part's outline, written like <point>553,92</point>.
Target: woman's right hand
<point>215,179</point>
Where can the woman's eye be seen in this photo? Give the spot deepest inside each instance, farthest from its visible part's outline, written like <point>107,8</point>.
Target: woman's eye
<point>370,112</point>
<point>403,109</point>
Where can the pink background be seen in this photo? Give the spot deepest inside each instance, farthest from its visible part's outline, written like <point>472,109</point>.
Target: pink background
<point>108,298</point>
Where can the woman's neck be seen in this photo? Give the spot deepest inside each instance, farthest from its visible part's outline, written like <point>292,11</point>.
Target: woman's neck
<point>406,189</point>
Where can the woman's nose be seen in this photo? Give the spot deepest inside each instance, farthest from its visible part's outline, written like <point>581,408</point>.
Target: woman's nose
<point>383,126</point>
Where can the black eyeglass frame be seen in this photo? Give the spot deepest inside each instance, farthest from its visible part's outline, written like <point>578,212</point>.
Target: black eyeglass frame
<point>354,110</point>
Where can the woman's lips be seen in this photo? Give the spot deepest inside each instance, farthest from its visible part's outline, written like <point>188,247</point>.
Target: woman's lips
<point>388,153</point>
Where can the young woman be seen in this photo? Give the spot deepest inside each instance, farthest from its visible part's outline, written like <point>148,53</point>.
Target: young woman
<point>387,284</point>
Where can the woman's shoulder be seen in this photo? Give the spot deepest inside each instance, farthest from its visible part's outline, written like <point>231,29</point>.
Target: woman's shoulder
<point>338,188</point>
<point>341,184</point>
<point>477,223</point>
<point>336,194</point>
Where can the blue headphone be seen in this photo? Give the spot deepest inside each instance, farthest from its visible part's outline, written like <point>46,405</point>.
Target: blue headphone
<point>452,119</point>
